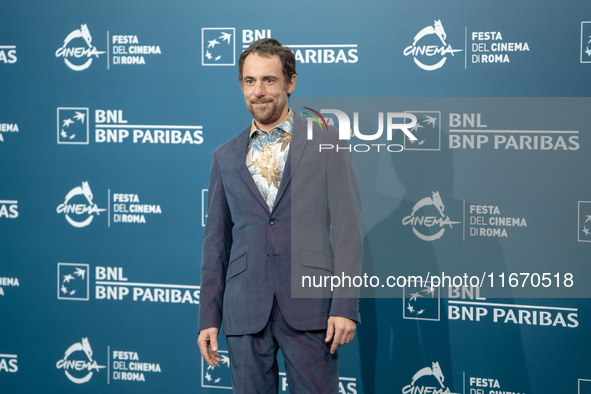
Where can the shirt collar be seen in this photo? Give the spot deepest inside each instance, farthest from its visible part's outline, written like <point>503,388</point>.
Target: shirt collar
<point>285,126</point>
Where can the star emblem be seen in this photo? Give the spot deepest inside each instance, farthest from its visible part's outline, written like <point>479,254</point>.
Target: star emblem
<point>80,273</point>
<point>430,290</point>
<point>413,296</point>
<point>430,120</point>
<point>80,116</point>
<point>226,37</point>
<point>416,127</point>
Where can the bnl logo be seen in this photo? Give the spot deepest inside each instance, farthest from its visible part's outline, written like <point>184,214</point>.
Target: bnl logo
<point>421,303</point>
<point>217,377</point>
<point>72,281</point>
<point>72,126</point>
<point>218,44</point>
<point>250,36</point>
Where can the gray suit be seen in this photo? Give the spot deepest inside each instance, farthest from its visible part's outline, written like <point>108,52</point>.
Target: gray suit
<point>252,256</point>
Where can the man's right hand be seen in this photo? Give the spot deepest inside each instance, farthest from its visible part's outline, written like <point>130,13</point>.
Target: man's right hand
<point>208,345</point>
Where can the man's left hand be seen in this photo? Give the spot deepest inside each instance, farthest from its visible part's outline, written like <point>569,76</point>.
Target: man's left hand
<point>342,329</point>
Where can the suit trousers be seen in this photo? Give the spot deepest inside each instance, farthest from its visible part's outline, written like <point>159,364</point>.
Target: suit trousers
<point>309,366</point>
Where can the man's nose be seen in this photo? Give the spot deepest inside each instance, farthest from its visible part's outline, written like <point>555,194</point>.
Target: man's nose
<point>259,89</point>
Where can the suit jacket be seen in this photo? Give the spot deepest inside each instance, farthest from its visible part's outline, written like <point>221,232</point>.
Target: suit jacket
<point>251,255</point>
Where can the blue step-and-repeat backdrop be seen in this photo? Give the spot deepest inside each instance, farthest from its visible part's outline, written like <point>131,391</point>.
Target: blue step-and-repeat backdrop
<point>110,111</point>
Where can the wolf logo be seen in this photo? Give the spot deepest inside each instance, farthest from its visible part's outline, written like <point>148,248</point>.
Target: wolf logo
<point>429,221</point>
<point>91,209</point>
<point>89,51</point>
<point>83,345</point>
<point>84,190</point>
<point>66,364</point>
<point>437,28</point>
<point>427,51</point>
<point>434,370</point>
<point>82,32</point>
<point>435,200</point>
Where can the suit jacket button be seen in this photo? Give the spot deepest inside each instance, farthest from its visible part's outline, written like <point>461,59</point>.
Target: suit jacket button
<point>272,220</point>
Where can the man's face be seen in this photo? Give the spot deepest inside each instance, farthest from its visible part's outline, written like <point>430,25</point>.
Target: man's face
<point>265,90</point>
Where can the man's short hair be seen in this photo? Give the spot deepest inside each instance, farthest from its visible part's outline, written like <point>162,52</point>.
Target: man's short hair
<point>267,47</point>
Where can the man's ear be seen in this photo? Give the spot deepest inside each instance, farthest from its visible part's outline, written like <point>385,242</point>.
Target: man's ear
<point>292,84</point>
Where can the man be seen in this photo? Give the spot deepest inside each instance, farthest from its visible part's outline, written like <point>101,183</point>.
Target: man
<point>254,254</point>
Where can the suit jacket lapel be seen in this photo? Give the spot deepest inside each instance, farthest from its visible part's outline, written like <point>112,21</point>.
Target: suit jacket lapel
<point>241,165</point>
<point>296,148</point>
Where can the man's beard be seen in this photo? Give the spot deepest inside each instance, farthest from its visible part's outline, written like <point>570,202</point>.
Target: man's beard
<point>270,114</point>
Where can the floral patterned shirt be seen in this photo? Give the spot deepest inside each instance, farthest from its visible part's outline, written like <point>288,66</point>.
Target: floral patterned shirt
<point>266,155</point>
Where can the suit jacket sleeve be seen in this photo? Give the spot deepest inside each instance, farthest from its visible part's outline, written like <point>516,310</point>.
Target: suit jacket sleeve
<point>217,242</point>
<point>344,201</point>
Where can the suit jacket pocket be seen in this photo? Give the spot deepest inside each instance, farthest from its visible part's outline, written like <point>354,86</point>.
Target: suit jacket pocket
<point>316,260</point>
<point>236,266</point>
